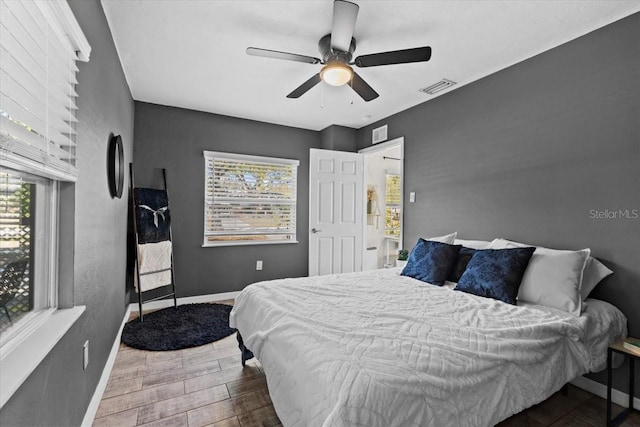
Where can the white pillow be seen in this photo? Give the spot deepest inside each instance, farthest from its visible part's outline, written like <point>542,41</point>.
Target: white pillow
<point>594,273</point>
<point>504,244</point>
<point>449,238</point>
<point>473,244</point>
<point>553,277</point>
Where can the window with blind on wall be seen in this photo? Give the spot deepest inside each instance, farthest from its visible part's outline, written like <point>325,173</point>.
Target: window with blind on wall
<point>40,42</point>
<point>39,45</point>
<point>249,199</point>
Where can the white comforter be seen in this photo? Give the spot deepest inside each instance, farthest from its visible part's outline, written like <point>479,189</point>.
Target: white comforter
<point>378,349</point>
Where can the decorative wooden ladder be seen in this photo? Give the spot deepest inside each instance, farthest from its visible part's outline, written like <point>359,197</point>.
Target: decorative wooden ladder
<point>165,216</point>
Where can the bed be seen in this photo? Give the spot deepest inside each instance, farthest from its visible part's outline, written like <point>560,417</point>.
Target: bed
<point>379,349</point>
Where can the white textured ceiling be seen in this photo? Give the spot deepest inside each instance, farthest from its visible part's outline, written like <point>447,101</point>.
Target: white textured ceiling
<point>191,54</point>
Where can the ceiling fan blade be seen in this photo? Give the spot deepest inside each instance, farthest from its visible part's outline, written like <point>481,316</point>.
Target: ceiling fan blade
<point>344,22</point>
<point>362,88</point>
<point>418,54</point>
<point>266,53</point>
<point>304,87</point>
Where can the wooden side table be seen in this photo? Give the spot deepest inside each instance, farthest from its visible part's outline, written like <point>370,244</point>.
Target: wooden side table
<point>618,348</point>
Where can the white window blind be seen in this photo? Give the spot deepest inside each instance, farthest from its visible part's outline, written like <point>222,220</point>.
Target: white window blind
<point>249,199</point>
<point>40,42</point>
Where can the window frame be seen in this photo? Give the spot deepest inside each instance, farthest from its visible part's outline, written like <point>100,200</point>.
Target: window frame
<point>45,270</point>
<point>212,155</point>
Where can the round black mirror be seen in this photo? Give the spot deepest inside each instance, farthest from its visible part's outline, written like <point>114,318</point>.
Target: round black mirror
<point>115,166</point>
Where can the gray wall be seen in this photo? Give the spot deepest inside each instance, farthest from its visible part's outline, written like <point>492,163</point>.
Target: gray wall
<point>340,138</point>
<point>528,152</point>
<point>174,138</point>
<point>58,392</point>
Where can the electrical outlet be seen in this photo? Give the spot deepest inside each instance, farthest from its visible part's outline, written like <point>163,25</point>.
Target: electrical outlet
<point>85,354</point>
<point>259,265</point>
<point>412,197</point>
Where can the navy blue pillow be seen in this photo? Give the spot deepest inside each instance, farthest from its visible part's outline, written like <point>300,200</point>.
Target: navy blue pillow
<point>464,256</point>
<point>496,273</point>
<point>431,262</point>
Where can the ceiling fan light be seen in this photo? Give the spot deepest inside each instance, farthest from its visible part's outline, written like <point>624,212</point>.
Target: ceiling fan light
<point>336,73</point>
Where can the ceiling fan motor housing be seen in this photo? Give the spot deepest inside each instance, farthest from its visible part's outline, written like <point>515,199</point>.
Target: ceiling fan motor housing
<point>328,54</point>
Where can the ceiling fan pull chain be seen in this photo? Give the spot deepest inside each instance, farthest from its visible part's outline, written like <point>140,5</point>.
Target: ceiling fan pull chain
<point>321,94</point>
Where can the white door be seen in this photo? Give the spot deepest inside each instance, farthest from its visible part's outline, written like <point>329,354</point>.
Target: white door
<point>335,212</point>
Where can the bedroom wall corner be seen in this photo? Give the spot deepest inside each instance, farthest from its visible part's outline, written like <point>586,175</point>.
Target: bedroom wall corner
<point>339,138</point>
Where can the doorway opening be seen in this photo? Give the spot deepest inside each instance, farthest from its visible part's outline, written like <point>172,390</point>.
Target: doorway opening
<point>383,223</point>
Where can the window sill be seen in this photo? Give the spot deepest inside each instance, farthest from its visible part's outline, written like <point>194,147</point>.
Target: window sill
<point>213,245</point>
<point>21,360</point>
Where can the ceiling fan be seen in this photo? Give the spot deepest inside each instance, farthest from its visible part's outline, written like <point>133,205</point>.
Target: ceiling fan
<point>337,49</point>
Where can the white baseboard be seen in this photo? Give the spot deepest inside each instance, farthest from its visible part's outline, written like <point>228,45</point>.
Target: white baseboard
<point>104,378</point>
<point>153,305</point>
<point>600,390</point>
<point>133,307</point>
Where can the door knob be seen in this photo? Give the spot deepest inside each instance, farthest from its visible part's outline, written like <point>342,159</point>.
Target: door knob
<point>314,231</point>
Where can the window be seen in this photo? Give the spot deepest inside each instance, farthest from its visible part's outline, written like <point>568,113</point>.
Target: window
<point>40,43</point>
<point>249,199</point>
<point>26,242</point>
<point>37,146</point>
<point>393,198</point>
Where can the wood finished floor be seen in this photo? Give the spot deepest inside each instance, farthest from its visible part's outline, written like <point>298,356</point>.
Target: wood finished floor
<point>207,386</point>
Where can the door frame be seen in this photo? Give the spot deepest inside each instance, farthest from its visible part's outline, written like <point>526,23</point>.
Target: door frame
<point>374,149</point>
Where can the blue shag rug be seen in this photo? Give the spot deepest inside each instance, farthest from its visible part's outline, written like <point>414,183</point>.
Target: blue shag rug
<point>172,328</point>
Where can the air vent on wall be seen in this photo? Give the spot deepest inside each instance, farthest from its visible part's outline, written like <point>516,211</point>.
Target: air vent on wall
<point>379,134</point>
<point>438,87</point>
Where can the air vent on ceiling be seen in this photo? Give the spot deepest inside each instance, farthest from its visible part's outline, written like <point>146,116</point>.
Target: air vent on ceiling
<point>438,87</point>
